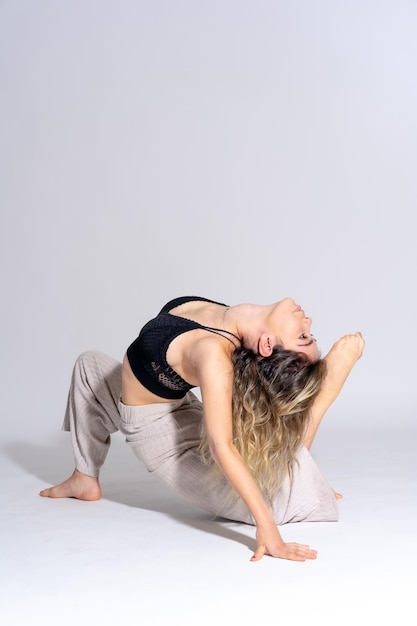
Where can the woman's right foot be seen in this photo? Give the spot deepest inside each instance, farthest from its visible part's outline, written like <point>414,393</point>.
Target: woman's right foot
<point>78,486</point>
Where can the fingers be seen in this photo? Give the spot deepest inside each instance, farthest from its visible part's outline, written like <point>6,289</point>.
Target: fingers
<point>349,344</point>
<point>357,335</point>
<point>290,551</point>
<point>259,552</point>
<point>360,342</point>
<point>353,336</point>
<point>300,552</point>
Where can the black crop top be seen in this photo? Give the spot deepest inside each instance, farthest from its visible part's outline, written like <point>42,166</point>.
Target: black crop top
<point>147,354</point>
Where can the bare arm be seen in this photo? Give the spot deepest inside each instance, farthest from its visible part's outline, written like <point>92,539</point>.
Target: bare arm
<point>215,374</point>
<point>340,361</point>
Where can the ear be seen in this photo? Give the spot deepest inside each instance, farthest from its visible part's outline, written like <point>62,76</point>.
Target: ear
<point>265,346</point>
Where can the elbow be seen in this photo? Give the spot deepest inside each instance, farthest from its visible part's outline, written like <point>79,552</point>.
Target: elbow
<point>213,450</point>
<point>218,450</point>
<point>214,455</point>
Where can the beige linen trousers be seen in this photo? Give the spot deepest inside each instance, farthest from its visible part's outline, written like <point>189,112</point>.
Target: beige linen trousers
<point>165,437</point>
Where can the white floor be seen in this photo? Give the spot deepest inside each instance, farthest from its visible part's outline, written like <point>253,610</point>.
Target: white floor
<point>142,555</point>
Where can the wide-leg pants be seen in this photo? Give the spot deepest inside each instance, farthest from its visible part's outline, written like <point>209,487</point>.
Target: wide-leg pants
<point>165,437</point>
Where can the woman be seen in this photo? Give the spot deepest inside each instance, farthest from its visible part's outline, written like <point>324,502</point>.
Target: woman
<point>264,390</point>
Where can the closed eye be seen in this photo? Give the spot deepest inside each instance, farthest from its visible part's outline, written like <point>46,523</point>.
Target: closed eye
<point>304,336</point>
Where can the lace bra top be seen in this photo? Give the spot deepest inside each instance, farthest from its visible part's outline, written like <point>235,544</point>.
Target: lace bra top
<point>147,354</point>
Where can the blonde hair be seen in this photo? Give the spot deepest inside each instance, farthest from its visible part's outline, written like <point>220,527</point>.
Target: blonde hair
<point>272,397</point>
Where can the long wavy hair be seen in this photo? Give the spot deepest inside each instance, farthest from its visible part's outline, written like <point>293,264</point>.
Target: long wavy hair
<point>272,397</point>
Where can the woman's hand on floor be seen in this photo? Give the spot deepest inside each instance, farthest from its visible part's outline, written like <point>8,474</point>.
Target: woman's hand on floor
<point>271,544</point>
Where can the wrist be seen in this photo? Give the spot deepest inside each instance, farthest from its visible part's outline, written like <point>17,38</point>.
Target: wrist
<point>267,525</point>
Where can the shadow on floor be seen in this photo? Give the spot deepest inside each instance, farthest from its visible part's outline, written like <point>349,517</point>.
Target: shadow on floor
<point>124,481</point>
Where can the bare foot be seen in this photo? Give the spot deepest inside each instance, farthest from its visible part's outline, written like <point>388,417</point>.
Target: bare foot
<point>338,496</point>
<point>78,486</point>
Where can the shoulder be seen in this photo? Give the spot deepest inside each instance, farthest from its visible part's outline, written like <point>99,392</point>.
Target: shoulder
<point>212,355</point>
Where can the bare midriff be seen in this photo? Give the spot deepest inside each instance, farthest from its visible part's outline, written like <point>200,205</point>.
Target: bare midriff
<point>133,392</point>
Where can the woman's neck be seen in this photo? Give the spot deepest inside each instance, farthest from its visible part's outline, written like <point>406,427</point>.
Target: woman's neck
<point>248,322</point>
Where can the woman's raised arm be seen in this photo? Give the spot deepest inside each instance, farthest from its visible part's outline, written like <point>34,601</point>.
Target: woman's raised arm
<point>340,361</point>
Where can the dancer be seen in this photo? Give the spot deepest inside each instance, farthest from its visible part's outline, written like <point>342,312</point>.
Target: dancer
<point>243,451</point>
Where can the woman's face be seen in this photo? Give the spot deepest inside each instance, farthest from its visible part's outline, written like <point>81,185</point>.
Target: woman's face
<point>292,328</point>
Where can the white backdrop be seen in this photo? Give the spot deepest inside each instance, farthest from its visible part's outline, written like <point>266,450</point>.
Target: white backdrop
<point>243,151</point>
